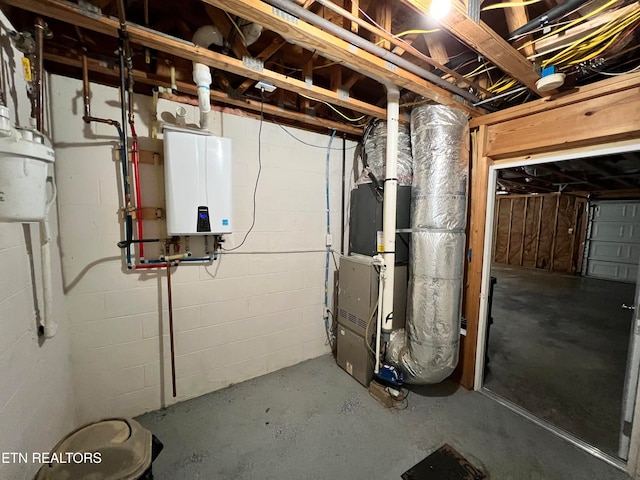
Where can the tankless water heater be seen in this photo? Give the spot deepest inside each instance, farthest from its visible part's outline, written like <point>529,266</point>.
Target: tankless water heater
<point>197,168</point>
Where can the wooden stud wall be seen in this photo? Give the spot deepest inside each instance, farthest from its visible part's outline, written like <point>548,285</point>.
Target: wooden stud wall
<point>539,231</point>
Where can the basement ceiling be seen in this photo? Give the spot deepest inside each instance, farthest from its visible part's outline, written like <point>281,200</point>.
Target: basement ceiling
<point>590,177</point>
<point>324,82</point>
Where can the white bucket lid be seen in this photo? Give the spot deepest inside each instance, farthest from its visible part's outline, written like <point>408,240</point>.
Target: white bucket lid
<point>26,143</point>
<point>124,447</point>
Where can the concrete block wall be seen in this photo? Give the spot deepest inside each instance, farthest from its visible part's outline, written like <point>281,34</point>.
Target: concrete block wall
<point>243,316</point>
<point>36,404</point>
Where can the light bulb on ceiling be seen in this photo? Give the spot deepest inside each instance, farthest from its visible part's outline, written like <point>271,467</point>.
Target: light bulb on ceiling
<point>440,8</point>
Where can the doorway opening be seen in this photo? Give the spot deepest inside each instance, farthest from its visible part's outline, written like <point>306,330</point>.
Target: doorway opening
<point>562,249</point>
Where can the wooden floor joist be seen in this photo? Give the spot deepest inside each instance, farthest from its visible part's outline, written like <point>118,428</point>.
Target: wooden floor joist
<point>70,13</point>
<point>484,40</point>
<point>315,39</point>
<point>216,96</point>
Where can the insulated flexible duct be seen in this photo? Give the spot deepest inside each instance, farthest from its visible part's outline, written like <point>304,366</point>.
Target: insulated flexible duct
<point>427,351</point>
<point>375,147</point>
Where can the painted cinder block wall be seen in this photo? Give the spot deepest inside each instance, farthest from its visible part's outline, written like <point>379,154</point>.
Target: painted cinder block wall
<point>241,317</point>
<point>36,394</point>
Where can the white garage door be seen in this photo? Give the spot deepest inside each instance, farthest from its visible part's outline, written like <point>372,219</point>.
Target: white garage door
<point>614,241</point>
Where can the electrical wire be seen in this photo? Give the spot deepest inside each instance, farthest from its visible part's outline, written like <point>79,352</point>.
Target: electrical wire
<point>595,42</point>
<point>255,189</point>
<point>570,24</point>
<point>418,32</point>
<point>310,144</point>
<point>615,74</point>
<point>334,109</point>
<point>496,6</point>
<point>326,271</point>
<point>235,25</point>
<point>366,330</point>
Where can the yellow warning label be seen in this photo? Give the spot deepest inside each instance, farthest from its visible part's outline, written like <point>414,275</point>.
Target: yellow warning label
<point>26,66</point>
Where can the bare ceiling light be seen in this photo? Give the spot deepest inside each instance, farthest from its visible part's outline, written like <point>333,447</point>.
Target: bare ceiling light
<point>440,8</point>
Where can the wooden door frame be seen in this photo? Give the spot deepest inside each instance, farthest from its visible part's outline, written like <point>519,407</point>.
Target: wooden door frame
<point>486,182</point>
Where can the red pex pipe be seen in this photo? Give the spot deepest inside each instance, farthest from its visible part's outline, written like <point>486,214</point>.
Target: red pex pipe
<point>149,266</point>
<point>135,153</point>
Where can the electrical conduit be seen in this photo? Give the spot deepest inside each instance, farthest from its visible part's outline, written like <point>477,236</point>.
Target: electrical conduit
<point>328,254</point>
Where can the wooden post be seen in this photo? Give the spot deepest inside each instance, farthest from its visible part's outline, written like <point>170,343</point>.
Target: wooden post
<point>535,264</point>
<point>509,231</point>
<point>555,233</point>
<point>573,236</point>
<point>479,175</point>
<point>496,224</point>
<point>524,228</point>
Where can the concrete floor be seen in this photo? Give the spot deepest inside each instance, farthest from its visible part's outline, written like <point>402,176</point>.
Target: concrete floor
<point>313,421</point>
<point>558,348</point>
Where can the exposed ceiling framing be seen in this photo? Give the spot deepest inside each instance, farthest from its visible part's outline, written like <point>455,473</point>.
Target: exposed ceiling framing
<point>324,82</point>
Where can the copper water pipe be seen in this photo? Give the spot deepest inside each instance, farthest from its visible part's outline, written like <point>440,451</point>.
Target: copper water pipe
<point>40,27</point>
<point>86,96</point>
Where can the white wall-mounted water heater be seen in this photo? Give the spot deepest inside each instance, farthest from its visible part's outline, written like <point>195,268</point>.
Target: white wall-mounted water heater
<point>197,172</point>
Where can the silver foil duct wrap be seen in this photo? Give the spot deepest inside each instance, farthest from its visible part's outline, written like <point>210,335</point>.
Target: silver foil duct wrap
<point>427,350</point>
<point>375,147</point>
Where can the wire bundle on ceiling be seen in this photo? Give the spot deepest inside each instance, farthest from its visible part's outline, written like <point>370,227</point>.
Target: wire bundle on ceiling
<point>600,41</point>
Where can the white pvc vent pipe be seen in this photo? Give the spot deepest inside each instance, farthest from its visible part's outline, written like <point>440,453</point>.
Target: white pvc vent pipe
<point>204,37</point>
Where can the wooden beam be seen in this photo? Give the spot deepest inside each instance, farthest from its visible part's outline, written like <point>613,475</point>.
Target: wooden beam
<point>355,4</point>
<point>524,228</point>
<point>70,13</point>
<point>220,19</point>
<point>509,230</point>
<point>556,171</point>
<point>566,38</point>
<point>607,174</point>
<point>479,179</point>
<point>535,262</point>
<point>264,55</point>
<point>307,77</point>
<point>481,38</point>
<point>530,186</point>
<point>409,40</point>
<point>352,80</point>
<point>406,46</point>
<point>582,94</point>
<point>437,48</point>
<point>383,13</point>
<point>516,17</point>
<point>608,118</point>
<point>315,39</point>
<point>555,233</point>
<point>216,96</point>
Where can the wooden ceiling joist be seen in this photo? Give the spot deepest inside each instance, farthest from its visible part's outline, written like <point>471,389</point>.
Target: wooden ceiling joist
<point>70,13</point>
<point>481,38</point>
<point>516,16</point>
<point>225,26</point>
<point>216,96</point>
<point>264,55</point>
<point>315,39</point>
